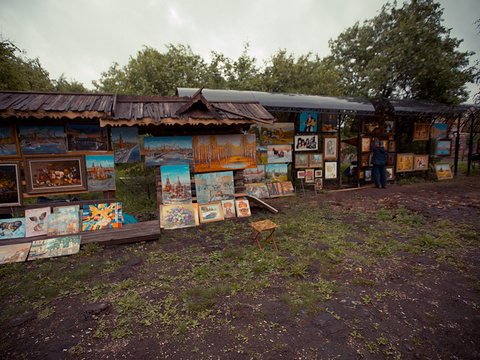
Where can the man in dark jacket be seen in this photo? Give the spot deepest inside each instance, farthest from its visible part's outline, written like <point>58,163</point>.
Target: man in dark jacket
<point>379,162</point>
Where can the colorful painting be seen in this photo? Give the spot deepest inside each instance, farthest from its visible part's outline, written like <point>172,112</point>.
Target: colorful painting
<point>368,174</point>
<point>126,148</point>
<point>254,175</point>
<point>14,253</point>
<point>55,174</point>
<point>365,145</point>
<point>404,162</point>
<point>258,190</point>
<point>315,160</point>
<point>278,133</point>
<point>438,131</point>
<point>176,185</point>
<point>279,154</point>
<point>301,161</point>
<point>308,122</point>
<point>372,125</point>
<point>224,152</point>
<point>329,122</point>
<point>36,221</point>
<point>8,142</point>
<point>178,216</point>
<point>318,184</point>
<point>100,172</point>
<point>211,187</point>
<point>168,150</point>
<point>318,173</point>
<point>243,208</point>
<point>284,188</point>
<point>228,207</point>
<point>306,142</point>
<point>309,175</point>
<point>10,187</point>
<point>443,147</point>
<point>67,245</point>
<point>63,224</point>
<point>12,228</point>
<point>42,140</point>
<point>420,162</point>
<point>390,172</point>
<point>443,171</point>
<point>330,144</point>
<point>331,170</point>
<point>421,131</point>
<point>82,137</point>
<point>301,174</point>
<point>276,172</point>
<point>101,216</point>
<point>210,212</point>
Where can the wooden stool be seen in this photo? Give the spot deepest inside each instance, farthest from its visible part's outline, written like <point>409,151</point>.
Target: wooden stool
<point>264,225</point>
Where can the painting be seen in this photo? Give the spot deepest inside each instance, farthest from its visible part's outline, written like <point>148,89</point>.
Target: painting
<point>308,121</point>
<point>301,174</point>
<point>315,160</point>
<point>14,253</point>
<point>306,142</point>
<point>279,133</point>
<point>61,246</point>
<point>176,184</point>
<point>390,172</point>
<point>329,122</point>
<point>391,146</point>
<point>421,131</point>
<point>361,174</point>
<point>210,212</point>
<point>82,137</point>
<point>279,154</point>
<point>243,208</point>
<point>318,173</point>
<point>318,184</point>
<point>443,147</point>
<point>388,127</point>
<point>438,131</point>
<point>228,207</point>
<point>63,209</point>
<point>259,190</point>
<point>330,144</point>
<point>8,142</point>
<point>224,152</point>
<point>12,228</point>
<point>276,172</point>
<point>63,224</point>
<point>420,162</point>
<point>211,187</point>
<point>178,216</point>
<point>262,155</point>
<point>331,170</point>
<point>301,161</point>
<point>55,174</point>
<point>102,216</point>
<point>42,140</point>
<point>391,159</point>
<point>364,160</point>
<point>100,172</point>
<point>404,162</point>
<point>368,174</point>
<point>254,175</point>
<point>168,150</point>
<point>125,145</point>
<point>365,145</point>
<point>309,175</point>
<point>10,186</point>
<point>443,171</point>
<point>372,125</point>
<point>36,221</point>
<point>284,188</point>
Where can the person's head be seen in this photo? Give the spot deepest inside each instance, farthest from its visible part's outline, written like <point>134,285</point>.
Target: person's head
<point>380,143</point>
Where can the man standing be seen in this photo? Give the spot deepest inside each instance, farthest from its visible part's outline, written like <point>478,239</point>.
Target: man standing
<point>379,162</point>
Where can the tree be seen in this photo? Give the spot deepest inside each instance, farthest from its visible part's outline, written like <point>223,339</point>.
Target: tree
<point>63,85</point>
<point>403,52</point>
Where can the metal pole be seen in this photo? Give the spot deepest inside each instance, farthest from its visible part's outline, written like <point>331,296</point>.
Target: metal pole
<point>470,145</point>
<point>457,145</point>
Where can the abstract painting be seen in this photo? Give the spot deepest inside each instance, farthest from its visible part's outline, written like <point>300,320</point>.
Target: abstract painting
<point>10,186</point>
<point>125,145</point>
<point>176,186</point>
<point>83,137</point>
<point>178,216</point>
<point>100,172</point>
<point>36,221</point>
<point>14,253</point>
<point>42,140</point>
<point>168,150</point>
<point>211,187</point>
<point>101,216</point>
<point>63,224</point>
<point>12,228</point>
<point>279,154</point>
<point>67,245</point>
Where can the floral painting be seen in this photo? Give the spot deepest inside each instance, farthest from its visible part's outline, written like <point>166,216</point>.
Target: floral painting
<point>178,216</point>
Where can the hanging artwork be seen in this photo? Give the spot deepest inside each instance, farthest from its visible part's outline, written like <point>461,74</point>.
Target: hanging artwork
<point>14,253</point>
<point>391,159</point>
<point>318,173</point>
<point>278,133</point>
<point>228,207</point>
<point>404,162</point>
<point>388,127</point>
<point>438,131</point>
<point>315,160</point>
<point>82,137</point>
<point>168,150</point>
<point>365,160</point>
<point>443,147</point>
<point>210,212</point>
<point>301,174</point>
<point>372,125</point>
<point>178,216</point>
<point>262,157</point>
<point>258,190</point>
<point>211,187</point>
<point>101,216</point>
<point>443,171</point>
<point>67,245</point>
<point>368,174</point>
<point>318,184</point>
<point>390,172</point>
<point>12,228</point>
<point>301,161</point>
<point>176,185</point>
<point>42,140</point>
<point>309,175</point>
<point>306,142</point>
<point>308,122</point>
<point>63,223</point>
<point>420,162</point>
<point>36,221</point>
<point>331,170</point>
<point>329,122</point>
<point>224,152</point>
<point>243,208</point>
<point>276,172</point>
<point>421,131</point>
<point>279,154</point>
<point>10,186</point>
<point>391,146</point>
<point>365,144</point>
<point>330,144</point>
<point>254,175</point>
<point>125,145</point>
<point>8,142</point>
<point>100,172</point>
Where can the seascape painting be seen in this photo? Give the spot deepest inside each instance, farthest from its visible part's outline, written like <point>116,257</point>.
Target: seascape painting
<point>100,172</point>
<point>168,150</point>
<point>42,140</point>
<point>36,221</point>
<point>126,148</point>
<point>67,245</point>
<point>176,185</point>
<point>84,137</point>
<point>211,187</point>
<point>8,143</point>
<point>14,253</point>
<point>12,228</point>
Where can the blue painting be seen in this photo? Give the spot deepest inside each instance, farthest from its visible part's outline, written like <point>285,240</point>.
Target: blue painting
<point>176,186</point>
<point>308,121</point>
<point>100,172</point>
<point>126,148</point>
<point>42,140</point>
<point>212,187</point>
<point>12,228</point>
<point>168,150</point>
<point>82,137</point>
<point>8,143</point>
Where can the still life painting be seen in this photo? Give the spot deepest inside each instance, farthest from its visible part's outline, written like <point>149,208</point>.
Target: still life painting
<point>10,185</point>
<point>178,216</point>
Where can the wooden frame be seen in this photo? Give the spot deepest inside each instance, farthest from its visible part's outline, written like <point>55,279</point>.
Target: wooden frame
<point>43,177</point>
<point>315,160</point>
<point>301,161</point>
<point>9,140</point>
<point>372,125</point>
<point>391,145</point>
<point>404,162</point>
<point>368,174</point>
<point>365,144</point>
<point>301,174</point>
<point>390,172</point>
<point>421,131</point>
<point>391,159</point>
<point>306,142</point>
<point>10,185</point>
<point>364,160</point>
<point>420,162</point>
<point>318,173</point>
<point>330,147</point>
<point>443,171</point>
<point>210,212</point>
<point>388,127</point>
<point>443,147</point>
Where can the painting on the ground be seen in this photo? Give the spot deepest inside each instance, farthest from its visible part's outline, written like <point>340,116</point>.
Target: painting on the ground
<point>82,137</point>
<point>168,150</point>
<point>276,172</point>
<point>211,187</point>
<point>279,154</point>
<point>14,253</point>
<point>228,207</point>
<point>102,216</point>
<point>36,221</point>
<point>42,140</point>
<point>12,228</point>
<point>100,172</point>
<point>176,185</point>
<point>178,215</point>
<point>259,190</point>
<point>278,133</point>
<point>61,246</point>
<point>243,208</point>
<point>126,148</point>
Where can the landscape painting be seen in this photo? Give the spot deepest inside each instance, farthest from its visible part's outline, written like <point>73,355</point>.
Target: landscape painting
<point>443,147</point>
<point>14,253</point>
<point>278,133</point>
<point>177,216</point>
<point>12,228</point>
<point>443,171</point>
<point>259,190</point>
<point>176,185</point>
<point>125,145</point>
<point>102,216</point>
<point>42,140</point>
<point>210,212</point>
<point>82,137</point>
<point>276,172</point>
<point>279,154</point>
<point>100,172</point>
<point>67,245</point>
<point>63,224</point>
<point>8,142</point>
<point>168,150</point>
<point>36,221</point>
<point>211,187</point>
<point>254,175</point>
<point>404,162</point>
<point>284,188</point>
<point>10,186</point>
<point>438,131</point>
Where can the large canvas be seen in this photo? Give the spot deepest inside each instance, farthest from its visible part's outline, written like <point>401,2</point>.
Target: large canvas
<point>224,152</point>
<point>176,186</point>
<point>308,121</point>
<point>276,172</point>
<point>254,175</point>
<point>278,133</point>
<point>177,216</point>
<point>42,140</point>
<point>101,216</point>
<point>279,154</point>
<point>126,148</point>
<point>36,221</point>
<point>100,172</point>
<point>14,253</point>
<point>259,190</point>
<point>228,207</point>
<point>12,228</point>
<point>211,187</point>
<point>306,142</point>
<point>438,131</point>
<point>329,122</point>
<point>63,224</point>
<point>10,186</point>
<point>67,245</point>
<point>8,142</point>
<point>82,137</point>
<point>168,150</point>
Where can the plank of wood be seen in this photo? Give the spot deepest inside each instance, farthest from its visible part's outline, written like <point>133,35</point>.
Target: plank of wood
<point>261,203</point>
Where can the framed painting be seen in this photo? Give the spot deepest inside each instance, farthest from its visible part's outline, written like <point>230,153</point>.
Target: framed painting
<point>330,144</point>
<point>368,174</point>
<point>315,160</point>
<point>308,121</point>
<point>301,161</point>
<point>404,162</point>
<point>318,184</point>
<point>371,125</point>
<point>421,131</point>
<point>243,208</point>
<point>55,174</point>
<point>9,142</point>
<point>276,172</point>
<point>318,173</point>
<point>309,175</point>
<point>10,185</point>
<point>100,172</point>
<point>361,174</point>
<point>364,160</point>
<point>12,228</point>
<point>391,159</point>
<point>281,133</point>
<point>168,150</point>
<point>388,127</point>
<point>228,207</point>
<point>176,184</point>
<point>42,140</point>
<point>420,162</point>
<point>254,175</point>
<point>177,216</point>
<point>301,174</point>
<point>36,221</point>
<point>101,216</point>
<point>443,147</point>
<point>279,154</point>
<point>306,142</point>
<point>14,253</point>
<point>390,172</point>
<point>438,131</point>
<point>83,137</point>
<point>259,190</point>
<point>61,246</point>
<point>443,171</point>
<point>125,145</point>
<point>212,187</point>
<point>329,122</point>
<point>331,170</point>
<point>210,212</point>
<point>391,146</point>
<point>63,223</point>
<point>365,145</point>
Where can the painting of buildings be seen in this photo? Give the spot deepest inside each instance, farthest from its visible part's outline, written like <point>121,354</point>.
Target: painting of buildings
<point>100,172</point>
<point>8,143</point>
<point>254,175</point>
<point>102,216</point>
<point>276,172</point>
<point>126,148</point>
<point>213,187</point>
<point>42,140</point>
<point>82,137</point>
<point>14,253</point>
<point>176,185</point>
<point>67,245</point>
<point>258,190</point>
<point>168,150</point>
<point>278,133</point>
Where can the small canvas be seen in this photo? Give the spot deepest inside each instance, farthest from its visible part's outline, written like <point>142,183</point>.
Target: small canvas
<point>243,208</point>
<point>279,154</point>
<point>178,216</point>
<point>421,131</point>
<point>210,212</point>
<point>14,253</point>
<point>276,172</point>
<point>176,185</point>
<point>254,175</point>
<point>438,131</point>
<point>64,209</point>
<point>308,121</point>
<point>63,224</point>
<point>420,162</point>
<point>306,142</point>
<point>443,147</point>
<point>11,185</point>
<point>8,140</point>
<point>315,160</point>
<point>318,184</point>
<point>301,161</point>
<point>125,144</point>
<point>168,150</point>
<point>212,187</point>
<point>331,170</point>
<point>36,221</point>
<point>309,175</point>
<point>66,245</point>
<point>368,174</point>
<point>329,122</point>
<point>100,172</point>
<point>404,162</point>
<point>318,173</point>
<point>278,133</point>
<point>12,228</point>
<point>101,216</point>
<point>228,207</point>
<point>258,190</point>
<point>86,137</point>
<point>443,171</point>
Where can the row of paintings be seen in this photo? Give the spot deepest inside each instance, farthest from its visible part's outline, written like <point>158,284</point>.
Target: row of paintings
<point>309,122</point>
<point>427,131</point>
<point>264,190</point>
<point>310,174</point>
<point>310,143</point>
<point>412,162</point>
<point>375,125</point>
<point>266,173</point>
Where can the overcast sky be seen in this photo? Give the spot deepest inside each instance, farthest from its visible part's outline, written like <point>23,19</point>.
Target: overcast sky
<point>82,38</point>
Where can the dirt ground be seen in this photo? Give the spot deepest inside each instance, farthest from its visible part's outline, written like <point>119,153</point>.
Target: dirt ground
<point>409,305</point>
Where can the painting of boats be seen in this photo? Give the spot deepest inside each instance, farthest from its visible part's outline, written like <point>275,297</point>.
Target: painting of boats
<point>168,150</point>
<point>42,140</point>
<point>84,137</point>
<point>176,185</point>
<point>126,148</point>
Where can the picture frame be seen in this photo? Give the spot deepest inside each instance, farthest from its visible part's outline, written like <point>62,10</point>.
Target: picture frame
<point>284,188</point>
<point>42,176</point>
<point>368,174</point>
<point>392,145</point>
<point>86,137</point>
<point>390,170</point>
<point>438,131</point>
<point>9,140</point>
<point>259,190</point>
<point>404,162</point>
<point>210,212</point>
<point>279,154</point>
<point>301,174</point>
<point>306,142</point>
<point>443,171</point>
<point>365,144</point>
<point>308,121</point>
<point>361,174</point>
<point>318,184</point>
<point>364,160</point>
<point>310,175</point>
<point>318,173</point>
<point>176,216</point>
<point>443,147</point>
<point>176,184</point>
<point>301,161</point>
<point>391,159</point>
<point>421,131</point>
<point>243,208</point>
<point>329,122</point>
<point>228,207</point>
<point>420,162</point>
<point>388,127</point>
<point>276,172</point>
<point>10,184</point>
<point>315,160</point>
<point>331,170</point>
<point>371,125</point>
<point>330,144</point>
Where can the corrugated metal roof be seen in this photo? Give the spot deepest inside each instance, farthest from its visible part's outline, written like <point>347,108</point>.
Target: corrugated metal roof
<point>416,107</point>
